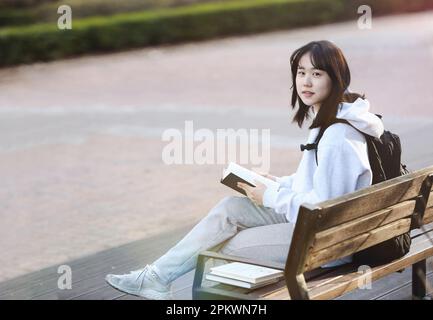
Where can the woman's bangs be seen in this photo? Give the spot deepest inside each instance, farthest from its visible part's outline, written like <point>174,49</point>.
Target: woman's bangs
<point>318,58</point>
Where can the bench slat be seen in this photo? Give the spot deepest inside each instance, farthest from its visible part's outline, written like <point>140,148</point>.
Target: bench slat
<point>365,240</point>
<point>345,278</point>
<point>428,215</point>
<point>338,285</point>
<point>374,198</point>
<point>430,200</point>
<point>281,292</point>
<point>361,225</point>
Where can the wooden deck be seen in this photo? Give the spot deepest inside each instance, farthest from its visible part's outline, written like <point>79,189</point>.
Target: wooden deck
<point>88,273</point>
<point>88,276</point>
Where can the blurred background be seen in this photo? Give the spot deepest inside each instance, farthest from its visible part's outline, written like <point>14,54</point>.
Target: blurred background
<point>82,110</point>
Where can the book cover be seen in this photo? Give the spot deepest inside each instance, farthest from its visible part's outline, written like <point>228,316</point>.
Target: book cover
<point>238,283</point>
<point>236,173</point>
<point>246,272</point>
<point>231,181</point>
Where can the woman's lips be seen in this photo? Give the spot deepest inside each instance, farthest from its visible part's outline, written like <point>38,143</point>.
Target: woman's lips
<point>307,93</point>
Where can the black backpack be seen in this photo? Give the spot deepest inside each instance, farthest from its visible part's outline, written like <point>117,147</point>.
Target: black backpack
<point>384,155</point>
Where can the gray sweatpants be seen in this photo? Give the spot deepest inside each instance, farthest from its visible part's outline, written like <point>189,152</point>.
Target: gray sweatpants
<point>226,219</point>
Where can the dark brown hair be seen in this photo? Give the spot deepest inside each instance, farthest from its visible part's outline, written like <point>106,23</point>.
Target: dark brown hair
<point>328,57</point>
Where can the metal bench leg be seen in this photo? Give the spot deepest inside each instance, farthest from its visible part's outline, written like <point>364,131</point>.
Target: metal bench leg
<point>198,277</point>
<point>419,280</point>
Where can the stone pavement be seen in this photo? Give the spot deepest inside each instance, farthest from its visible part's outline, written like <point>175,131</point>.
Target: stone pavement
<point>80,139</point>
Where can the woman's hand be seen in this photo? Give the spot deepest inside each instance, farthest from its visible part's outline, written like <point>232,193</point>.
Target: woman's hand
<point>254,193</point>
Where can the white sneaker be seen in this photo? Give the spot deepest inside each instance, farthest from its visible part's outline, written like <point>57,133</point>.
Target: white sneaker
<point>143,283</point>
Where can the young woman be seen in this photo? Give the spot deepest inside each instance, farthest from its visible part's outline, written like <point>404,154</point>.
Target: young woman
<point>321,79</point>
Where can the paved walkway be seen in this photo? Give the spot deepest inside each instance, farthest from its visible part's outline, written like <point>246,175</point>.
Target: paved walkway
<point>80,139</point>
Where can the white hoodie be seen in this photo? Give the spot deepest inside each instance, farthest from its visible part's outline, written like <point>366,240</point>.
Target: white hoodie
<point>343,165</point>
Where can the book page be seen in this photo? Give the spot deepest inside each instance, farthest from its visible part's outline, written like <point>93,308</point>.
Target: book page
<point>249,175</point>
<point>238,283</point>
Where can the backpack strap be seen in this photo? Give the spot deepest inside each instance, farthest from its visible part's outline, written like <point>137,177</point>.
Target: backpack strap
<point>314,146</point>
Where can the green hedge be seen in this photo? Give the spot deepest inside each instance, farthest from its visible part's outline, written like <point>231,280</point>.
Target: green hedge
<point>16,17</point>
<point>43,42</point>
<point>46,11</point>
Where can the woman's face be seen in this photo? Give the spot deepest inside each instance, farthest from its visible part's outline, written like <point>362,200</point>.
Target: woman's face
<point>313,85</point>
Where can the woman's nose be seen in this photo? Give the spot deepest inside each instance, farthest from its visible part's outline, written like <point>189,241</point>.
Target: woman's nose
<point>307,81</point>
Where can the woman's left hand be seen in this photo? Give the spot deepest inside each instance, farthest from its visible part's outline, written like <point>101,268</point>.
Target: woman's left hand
<point>254,193</point>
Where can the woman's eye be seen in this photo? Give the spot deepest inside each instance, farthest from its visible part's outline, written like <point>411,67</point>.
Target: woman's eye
<point>301,72</point>
<point>317,74</point>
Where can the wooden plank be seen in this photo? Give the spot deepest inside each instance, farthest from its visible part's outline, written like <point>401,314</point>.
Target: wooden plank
<point>274,290</point>
<point>318,274</point>
<point>347,282</point>
<point>302,239</point>
<point>421,249</point>
<point>43,284</point>
<point>27,286</point>
<point>184,293</point>
<point>417,232</point>
<point>97,284</point>
<point>262,293</point>
<point>181,290</point>
<point>373,198</point>
<point>98,287</point>
<point>151,248</point>
<point>38,278</point>
<point>405,292</point>
<point>378,287</point>
<point>350,246</point>
<point>428,216</point>
<point>91,278</point>
<point>128,297</point>
<point>82,277</point>
<point>387,285</point>
<point>430,200</point>
<point>280,292</point>
<point>363,224</point>
<point>105,293</point>
<point>182,287</point>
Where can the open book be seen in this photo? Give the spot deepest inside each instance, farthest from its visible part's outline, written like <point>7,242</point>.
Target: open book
<point>248,273</point>
<point>235,173</point>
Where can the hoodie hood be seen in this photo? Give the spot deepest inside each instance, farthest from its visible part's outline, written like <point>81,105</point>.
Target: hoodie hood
<point>357,113</point>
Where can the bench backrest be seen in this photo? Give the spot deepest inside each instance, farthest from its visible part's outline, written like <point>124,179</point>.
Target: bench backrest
<point>342,226</point>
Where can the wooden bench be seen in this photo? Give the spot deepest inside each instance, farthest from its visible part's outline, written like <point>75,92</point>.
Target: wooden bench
<point>337,228</point>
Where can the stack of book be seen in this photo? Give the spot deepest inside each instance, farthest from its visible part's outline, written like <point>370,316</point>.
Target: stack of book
<point>244,275</point>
